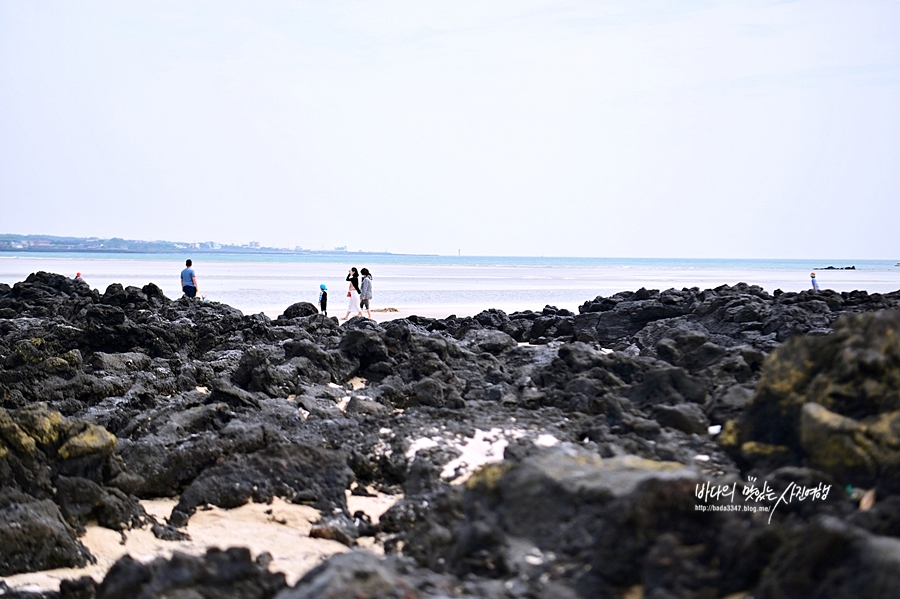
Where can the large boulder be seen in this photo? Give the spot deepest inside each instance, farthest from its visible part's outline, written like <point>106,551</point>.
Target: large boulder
<point>488,340</point>
<point>297,473</point>
<point>299,310</point>
<point>860,451</point>
<point>231,574</point>
<point>35,536</point>
<point>368,347</point>
<point>59,473</point>
<point>357,574</point>
<point>831,559</point>
<point>599,525</point>
<point>38,444</point>
<point>361,575</point>
<point>834,400</point>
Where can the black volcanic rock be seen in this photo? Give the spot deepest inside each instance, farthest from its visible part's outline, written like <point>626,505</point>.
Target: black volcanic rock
<point>834,400</point>
<point>35,536</point>
<point>831,559</point>
<point>219,574</point>
<point>299,309</point>
<point>294,472</point>
<point>68,461</point>
<point>108,398</point>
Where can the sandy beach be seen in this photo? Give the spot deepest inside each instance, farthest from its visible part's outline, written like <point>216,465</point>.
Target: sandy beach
<point>280,528</point>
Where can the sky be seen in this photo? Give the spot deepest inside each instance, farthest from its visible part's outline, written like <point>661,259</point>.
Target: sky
<point>610,128</point>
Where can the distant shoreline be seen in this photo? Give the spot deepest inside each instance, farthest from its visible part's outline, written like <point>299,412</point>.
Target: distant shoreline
<point>193,251</point>
<point>10,242</point>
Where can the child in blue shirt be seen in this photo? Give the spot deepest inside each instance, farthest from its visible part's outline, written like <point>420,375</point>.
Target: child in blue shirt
<point>323,299</point>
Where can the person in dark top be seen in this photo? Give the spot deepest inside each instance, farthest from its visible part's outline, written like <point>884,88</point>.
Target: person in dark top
<point>189,280</point>
<point>353,293</point>
<point>323,299</point>
<point>353,277</point>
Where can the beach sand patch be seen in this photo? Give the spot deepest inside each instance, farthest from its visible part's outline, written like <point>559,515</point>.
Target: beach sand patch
<point>280,528</point>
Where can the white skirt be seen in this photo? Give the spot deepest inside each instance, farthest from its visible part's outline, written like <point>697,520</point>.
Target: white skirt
<point>353,301</point>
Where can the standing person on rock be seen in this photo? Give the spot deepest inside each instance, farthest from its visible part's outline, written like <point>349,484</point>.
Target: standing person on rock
<point>189,280</point>
<point>323,299</point>
<point>365,292</point>
<point>815,284</point>
<point>353,293</point>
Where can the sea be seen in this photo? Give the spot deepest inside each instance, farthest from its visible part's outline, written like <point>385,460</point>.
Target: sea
<point>441,285</point>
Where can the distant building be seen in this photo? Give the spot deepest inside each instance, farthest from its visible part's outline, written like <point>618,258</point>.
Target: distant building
<point>341,248</point>
<point>254,245</point>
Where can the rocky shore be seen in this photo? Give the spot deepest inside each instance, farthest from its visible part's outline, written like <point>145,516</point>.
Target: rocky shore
<point>695,443</point>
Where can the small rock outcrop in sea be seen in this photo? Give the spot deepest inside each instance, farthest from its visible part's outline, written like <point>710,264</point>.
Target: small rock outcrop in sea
<point>723,446</point>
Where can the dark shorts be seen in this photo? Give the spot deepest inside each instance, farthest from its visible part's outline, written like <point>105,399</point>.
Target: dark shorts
<point>189,290</point>
<point>364,303</point>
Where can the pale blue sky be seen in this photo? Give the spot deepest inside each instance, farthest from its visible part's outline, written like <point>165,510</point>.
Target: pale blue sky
<point>651,128</point>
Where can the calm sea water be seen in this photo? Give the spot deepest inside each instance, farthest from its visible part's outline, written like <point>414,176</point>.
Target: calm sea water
<point>439,285</point>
